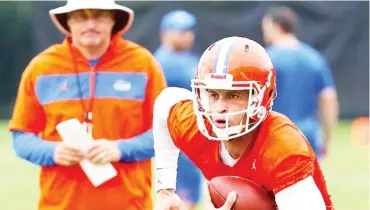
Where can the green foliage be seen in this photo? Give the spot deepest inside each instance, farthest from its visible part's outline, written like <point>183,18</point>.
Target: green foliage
<point>15,47</point>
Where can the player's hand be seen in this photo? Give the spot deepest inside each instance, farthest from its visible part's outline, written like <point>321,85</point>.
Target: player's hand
<point>324,150</point>
<point>168,200</point>
<point>324,147</point>
<point>208,205</point>
<point>66,154</point>
<point>103,151</point>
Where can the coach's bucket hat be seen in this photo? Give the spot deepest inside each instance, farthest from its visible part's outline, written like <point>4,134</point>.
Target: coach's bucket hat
<point>124,15</point>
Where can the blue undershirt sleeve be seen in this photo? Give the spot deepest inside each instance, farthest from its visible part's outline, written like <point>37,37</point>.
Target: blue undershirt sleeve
<point>138,148</point>
<point>32,148</point>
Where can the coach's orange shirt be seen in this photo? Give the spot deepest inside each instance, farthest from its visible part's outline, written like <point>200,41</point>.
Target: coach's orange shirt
<point>128,79</point>
<point>280,156</point>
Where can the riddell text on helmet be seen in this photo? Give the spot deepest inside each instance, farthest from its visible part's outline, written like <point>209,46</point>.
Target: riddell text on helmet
<point>218,76</point>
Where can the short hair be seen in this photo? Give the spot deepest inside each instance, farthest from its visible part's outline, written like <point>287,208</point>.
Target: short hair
<point>285,17</point>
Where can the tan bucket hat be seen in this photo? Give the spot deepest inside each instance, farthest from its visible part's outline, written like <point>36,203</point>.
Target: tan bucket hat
<point>124,16</point>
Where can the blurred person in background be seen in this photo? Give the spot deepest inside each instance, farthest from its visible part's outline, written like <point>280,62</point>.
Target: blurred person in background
<point>179,65</point>
<point>109,84</point>
<point>306,91</point>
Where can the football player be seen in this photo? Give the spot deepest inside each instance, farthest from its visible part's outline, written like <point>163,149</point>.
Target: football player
<point>227,128</point>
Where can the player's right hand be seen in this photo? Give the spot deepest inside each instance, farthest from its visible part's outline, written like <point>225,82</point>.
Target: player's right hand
<point>66,154</point>
<point>168,200</point>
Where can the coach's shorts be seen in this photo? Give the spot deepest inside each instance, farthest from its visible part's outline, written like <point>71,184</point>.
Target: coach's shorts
<point>189,181</point>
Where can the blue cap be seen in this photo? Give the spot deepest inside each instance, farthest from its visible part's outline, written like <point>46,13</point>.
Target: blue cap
<point>178,20</point>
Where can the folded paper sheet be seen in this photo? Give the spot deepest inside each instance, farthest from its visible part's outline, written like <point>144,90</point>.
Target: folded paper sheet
<point>73,132</point>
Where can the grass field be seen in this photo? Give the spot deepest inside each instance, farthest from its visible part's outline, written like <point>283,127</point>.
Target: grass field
<point>346,170</point>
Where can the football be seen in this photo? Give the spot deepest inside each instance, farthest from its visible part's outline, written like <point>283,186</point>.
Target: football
<point>250,196</point>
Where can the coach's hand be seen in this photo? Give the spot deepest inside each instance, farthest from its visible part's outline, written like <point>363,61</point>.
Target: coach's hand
<point>168,200</point>
<point>103,151</point>
<point>66,154</point>
<point>208,205</point>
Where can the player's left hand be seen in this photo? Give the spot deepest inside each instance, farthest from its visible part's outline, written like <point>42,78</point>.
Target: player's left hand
<point>168,200</point>
<point>208,205</point>
<point>103,151</point>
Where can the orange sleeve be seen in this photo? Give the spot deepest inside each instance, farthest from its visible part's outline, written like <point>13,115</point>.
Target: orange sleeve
<point>28,115</point>
<point>156,83</point>
<point>182,125</point>
<point>173,123</point>
<point>291,158</point>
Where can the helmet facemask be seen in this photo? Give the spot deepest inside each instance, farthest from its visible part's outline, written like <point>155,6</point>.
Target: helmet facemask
<point>252,115</point>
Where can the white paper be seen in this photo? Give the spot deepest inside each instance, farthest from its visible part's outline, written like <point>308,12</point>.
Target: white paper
<point>73,132</point>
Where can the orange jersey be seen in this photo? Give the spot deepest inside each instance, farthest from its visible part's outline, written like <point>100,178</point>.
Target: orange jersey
<point>279,157</point>
<point>128,79</point>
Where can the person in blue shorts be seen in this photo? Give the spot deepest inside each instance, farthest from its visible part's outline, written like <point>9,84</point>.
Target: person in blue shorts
<point>306,92</point>
<point>179,65</point>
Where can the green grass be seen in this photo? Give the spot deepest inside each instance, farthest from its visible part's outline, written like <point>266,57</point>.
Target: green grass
<point>346,170</point>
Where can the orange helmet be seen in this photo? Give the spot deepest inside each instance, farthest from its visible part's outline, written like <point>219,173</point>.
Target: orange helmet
<point>234,63</point>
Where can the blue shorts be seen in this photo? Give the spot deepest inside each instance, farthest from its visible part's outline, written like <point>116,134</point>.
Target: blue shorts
<point>189,180</point>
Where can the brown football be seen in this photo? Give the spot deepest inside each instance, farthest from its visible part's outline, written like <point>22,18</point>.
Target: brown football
<point>250,196</point>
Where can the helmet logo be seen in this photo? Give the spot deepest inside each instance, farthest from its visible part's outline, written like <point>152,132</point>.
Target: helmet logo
<point>246,48</point>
